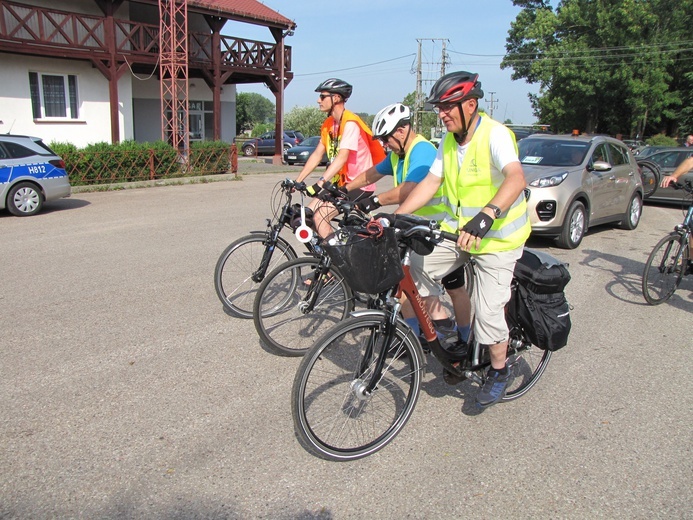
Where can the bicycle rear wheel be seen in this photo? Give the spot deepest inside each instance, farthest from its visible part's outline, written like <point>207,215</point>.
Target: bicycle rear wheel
<point>527,363</point>
<point>334,418</point>
<point>650,174</point>
<point>664,269</point>
<point>280,311</point>
<point>235,267</point>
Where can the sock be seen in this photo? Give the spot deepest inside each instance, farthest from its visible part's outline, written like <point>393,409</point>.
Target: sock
<point>444,324</point>
<point>503,371</point>
<point>414,324</point>
<point>463,332</point>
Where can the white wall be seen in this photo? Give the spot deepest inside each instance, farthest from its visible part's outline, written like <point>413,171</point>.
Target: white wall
<point>93,124</point>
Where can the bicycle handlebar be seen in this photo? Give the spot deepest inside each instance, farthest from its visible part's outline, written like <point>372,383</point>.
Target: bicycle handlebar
<point>686,186</point>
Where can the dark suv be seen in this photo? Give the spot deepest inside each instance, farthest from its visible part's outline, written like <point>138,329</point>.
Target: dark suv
<point>265,144</point>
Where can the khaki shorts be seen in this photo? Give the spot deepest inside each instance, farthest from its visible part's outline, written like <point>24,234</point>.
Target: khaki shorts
<point>494,272</point>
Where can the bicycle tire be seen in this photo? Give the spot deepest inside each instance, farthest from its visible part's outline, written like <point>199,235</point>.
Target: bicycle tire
<point>333,420</point>
<point>527,365</point>
<point>281,321</point>
<point>650,174</point>
<point>664,269</point>
<point>232,274</point>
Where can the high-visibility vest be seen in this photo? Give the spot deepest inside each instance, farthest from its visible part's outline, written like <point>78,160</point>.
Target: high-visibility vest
<point>331,142</point>
<point>437,208</point>
<point>471,186</point>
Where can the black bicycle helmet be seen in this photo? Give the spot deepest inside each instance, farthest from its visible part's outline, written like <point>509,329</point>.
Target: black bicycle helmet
<point>336,86</point>
<point>455,87</point>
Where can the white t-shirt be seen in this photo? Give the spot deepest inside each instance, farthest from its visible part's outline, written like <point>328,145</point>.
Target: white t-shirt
<point>502,153</point>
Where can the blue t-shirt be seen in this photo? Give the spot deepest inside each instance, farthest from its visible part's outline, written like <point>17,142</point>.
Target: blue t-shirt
<point>420,160</point>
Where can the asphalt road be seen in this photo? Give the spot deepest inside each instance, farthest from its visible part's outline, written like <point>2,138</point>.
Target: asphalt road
<point>127,392</point>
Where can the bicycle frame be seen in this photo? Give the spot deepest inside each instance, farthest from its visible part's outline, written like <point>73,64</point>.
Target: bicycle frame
<point>272,233</point>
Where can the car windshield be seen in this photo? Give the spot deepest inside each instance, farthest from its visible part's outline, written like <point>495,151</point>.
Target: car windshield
<point>310,141</point>
<point>552,152</point>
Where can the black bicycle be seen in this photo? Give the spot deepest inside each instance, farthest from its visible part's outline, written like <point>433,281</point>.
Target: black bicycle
<point>243,265</point>
<point>668,262</point>
<point>358,385</point>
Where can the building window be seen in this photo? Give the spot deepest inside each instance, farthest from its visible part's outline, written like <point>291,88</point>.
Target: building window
<point>53,96</point>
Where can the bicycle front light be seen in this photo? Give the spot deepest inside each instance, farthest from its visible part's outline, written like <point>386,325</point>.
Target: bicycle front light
<point>548,182</point>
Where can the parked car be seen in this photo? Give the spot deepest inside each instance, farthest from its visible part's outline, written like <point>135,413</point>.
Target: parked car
<point>299,154</point>
<point>576,182</point>
<point>668,159</point>
<point>296,135</point>
<point>635,145</point>
<point>265,144</point>
<point>30,174</point>
<point>649,150</point>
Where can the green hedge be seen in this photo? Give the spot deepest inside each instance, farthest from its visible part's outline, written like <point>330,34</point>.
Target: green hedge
<point>104,163</point>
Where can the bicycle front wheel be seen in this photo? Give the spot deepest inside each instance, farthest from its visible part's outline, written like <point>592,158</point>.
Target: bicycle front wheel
<point>284,319</point>
<point>335,417</point>
<point>664,269</point>
<point>234,270</point>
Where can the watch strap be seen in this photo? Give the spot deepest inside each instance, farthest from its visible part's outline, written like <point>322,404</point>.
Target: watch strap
<point>496,210</point>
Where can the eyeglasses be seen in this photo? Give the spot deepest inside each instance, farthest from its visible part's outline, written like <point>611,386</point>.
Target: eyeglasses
<point>444,108</point>
<point>385,139</point>
<point>323,96</point>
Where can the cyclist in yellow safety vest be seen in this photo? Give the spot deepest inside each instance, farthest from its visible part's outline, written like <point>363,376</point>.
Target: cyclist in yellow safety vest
<point>482,178</point>
<point>408,161</point>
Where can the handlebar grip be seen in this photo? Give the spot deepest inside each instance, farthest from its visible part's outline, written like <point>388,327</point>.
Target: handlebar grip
<point>452,237</point>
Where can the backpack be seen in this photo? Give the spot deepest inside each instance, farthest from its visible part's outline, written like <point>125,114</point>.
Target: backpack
<point>538,303</point>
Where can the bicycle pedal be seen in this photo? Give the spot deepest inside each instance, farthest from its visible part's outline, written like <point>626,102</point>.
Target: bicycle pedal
<point>452,379</point>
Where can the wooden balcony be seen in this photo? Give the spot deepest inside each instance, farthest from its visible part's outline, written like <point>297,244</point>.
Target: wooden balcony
<point>39,31</point>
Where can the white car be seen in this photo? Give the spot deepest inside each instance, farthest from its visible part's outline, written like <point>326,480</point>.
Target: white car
<point>30,174</point>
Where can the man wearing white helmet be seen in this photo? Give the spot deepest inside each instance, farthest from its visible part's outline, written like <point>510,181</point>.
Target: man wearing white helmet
<point>408,162</point>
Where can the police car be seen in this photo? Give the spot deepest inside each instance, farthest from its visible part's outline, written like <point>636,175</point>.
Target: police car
<point>30,174</point>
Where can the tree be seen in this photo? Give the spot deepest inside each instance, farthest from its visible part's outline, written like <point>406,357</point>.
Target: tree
<point>252,109</point>
<point>306,120</point>
<point>607,66</point>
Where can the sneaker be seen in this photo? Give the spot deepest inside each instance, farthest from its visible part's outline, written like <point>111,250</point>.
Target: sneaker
<point>493,389</point>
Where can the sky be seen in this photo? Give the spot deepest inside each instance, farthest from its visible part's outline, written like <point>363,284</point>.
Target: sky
<point>372,44</point>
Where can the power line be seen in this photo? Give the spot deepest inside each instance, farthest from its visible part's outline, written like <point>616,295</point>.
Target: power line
<point>356,67</point>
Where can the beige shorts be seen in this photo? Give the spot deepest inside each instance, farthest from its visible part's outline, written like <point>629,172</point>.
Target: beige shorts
<point>494,272</point>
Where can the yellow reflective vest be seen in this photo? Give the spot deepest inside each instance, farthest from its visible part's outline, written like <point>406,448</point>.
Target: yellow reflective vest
<point>470,186</point>
<point>437,207</point>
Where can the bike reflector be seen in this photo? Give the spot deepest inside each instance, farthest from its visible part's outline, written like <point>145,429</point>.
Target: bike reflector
<point>303,233</point>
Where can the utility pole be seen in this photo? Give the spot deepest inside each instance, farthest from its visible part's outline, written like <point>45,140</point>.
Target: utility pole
<point>492,102</point>
<point>421,83</point>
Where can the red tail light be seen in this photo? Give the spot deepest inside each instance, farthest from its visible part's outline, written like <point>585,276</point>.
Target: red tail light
<point>58,163</point>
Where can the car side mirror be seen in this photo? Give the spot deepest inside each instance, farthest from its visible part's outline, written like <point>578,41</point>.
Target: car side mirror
<point>600,166</point>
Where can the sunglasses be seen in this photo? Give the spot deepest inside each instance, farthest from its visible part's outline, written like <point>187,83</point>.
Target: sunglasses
<point>323,96</point>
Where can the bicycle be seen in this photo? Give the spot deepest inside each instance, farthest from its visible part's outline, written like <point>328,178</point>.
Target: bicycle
<point>668,262</point>
<point>305,296</point>
<point>358,385</point>
<point>244,263</point>
<point>650,174</point>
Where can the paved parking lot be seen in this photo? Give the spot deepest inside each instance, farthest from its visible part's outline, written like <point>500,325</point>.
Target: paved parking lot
<point>127,392</point>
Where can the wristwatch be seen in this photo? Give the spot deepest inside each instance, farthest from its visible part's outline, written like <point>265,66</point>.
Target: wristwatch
<point>496,210</point>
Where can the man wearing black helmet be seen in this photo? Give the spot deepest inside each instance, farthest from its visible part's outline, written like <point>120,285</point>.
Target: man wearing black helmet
<point>482,178</point>
<point>349,145</point>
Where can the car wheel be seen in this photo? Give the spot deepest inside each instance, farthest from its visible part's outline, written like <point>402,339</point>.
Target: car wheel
<point>574,226</point>
<point>290,163</point>
<point>631,219</point>
<point>248,151</point>
<point>24,199</point>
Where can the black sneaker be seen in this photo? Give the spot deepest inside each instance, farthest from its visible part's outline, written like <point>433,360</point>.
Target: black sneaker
<point>493,389</point>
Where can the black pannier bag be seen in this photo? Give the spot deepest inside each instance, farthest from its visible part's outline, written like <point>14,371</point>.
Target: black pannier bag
<point>538,302</point>
<point>369,264</point>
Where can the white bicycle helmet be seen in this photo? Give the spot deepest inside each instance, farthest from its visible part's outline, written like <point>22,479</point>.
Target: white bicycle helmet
<point>390,118</point>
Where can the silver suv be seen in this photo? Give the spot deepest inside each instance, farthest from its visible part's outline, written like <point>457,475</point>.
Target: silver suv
<point>576,182</point>
<point>30,174</point>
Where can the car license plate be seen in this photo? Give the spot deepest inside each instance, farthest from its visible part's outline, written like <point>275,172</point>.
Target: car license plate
<point>291,157</point>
